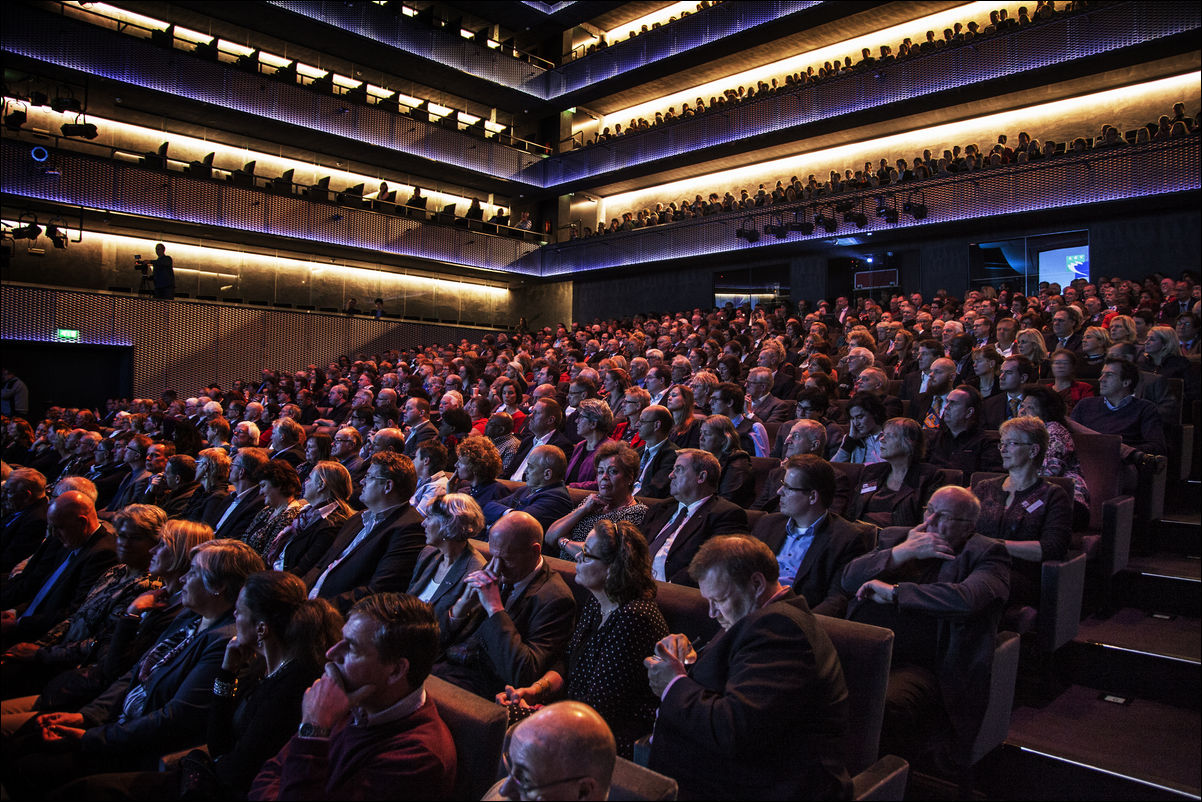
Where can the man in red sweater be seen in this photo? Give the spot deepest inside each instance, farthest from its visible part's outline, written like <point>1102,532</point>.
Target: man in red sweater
<point>367,729</point>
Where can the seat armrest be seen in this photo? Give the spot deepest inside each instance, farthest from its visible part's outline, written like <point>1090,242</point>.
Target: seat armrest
<point>996,724</point>
<point>1062,587</point>
<point>883,780</point>
<point>1118,517</point>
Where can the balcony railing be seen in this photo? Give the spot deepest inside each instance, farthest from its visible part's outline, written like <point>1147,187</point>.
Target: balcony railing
<point>107,54</point>
<point>97,183</point>
<point>1074,179</point>
<point>1058,41</point>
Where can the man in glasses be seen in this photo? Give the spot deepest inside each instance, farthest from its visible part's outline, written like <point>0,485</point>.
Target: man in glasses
<point>941,588</point>
<point>811,542</point>
<point>564,751</point>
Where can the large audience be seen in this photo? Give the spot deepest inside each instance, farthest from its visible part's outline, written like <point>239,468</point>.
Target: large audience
<point>969,158</point>
<point>272,569</point>
<point>960,33</point>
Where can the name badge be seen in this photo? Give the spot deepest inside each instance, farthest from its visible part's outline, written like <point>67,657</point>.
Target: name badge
<point>868,489</point>
<point>1033,505</point>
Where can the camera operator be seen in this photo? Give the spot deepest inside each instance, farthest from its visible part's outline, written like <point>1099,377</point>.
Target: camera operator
<point>164,272</point>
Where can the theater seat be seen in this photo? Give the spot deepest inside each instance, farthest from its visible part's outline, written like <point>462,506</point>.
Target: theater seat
<point>634,783</point>
<point>478,728</point>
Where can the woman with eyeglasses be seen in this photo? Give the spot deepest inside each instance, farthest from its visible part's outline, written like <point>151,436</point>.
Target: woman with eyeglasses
<point>84,637</point>
<point>894,492</point>
<point>594,424</point>
<point>617,628</point>
<point>1041,401</point>
<point>1031,515</point>
<point>282,503</point>
<point>449,556</point>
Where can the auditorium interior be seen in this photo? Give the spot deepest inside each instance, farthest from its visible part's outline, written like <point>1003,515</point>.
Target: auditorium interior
<point>486,168</point>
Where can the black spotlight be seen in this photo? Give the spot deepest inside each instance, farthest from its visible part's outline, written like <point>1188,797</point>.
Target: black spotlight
<point>31,231</point>
<point>86,130</point>
<point>56,235</point>
<point>799,223</point>
<point>61,104</point>
<point>916,210</point>
<point>859,218</point>
<point>845,206</point>
<point>830,224</point>
<point>14,120</point>
<point>777,229</point>
<point>39,98</point>
<point>884,210</point>
<point>749,234</point>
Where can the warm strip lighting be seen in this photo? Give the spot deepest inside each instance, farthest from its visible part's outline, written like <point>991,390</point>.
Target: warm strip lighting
<point>121,15</point>
<point>189,35</point>
<point>439,111</point>
<point>662,15</point>
<point>1085,114</point>
<point>915,29</point>
<point>272,60</point>
<point>408,100</point>
<point>467,118</point>
<point>496,128</point>
<point>379,91</point>
<point>132,141</point>
<point>348,83</point>
<point>226,46</point>
<point>225,257</point>
<point>310,71</point>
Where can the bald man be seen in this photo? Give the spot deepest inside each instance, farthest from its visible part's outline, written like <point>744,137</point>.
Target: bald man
<point>60,573</point>
<point>564,751</point>
<point>545,496</point>
<point>25,505</point>
<point>938,583</point>
<point>514,617</point>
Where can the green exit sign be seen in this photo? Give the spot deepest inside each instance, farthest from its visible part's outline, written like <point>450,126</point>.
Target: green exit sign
<point>67,334</point>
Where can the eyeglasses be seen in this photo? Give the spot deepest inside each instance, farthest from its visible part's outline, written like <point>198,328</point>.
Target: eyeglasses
<point>585,554</point>
<point>375,478</point>
<point>793,489</point>
<point>1013,443</point>
<point>934,513</point>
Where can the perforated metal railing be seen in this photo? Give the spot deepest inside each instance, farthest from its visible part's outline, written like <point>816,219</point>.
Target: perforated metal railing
<point>1098,176</point>
<point>696,30</point>
<point>107,54</point>
<point>188,344</point>
<point>97,183</point>
<point>1058,41</point>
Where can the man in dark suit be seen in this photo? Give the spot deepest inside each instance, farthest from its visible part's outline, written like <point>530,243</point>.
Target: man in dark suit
<point>376,550</point>
<point>514,618</point>
<point>134,483</point>
<point>241,506</point>
<point>1064,332</point>
<point>657,455</point>
<point>345,448</point>
<point>936,583</point>
<point>960,441</point>
<point>767,407</point>
<point>876,381</point>
<point>417,421</point>
<point>542,429</point>
<point>915,382</point>
<point>811,543</point>
<point>545,495</point>
<point>763,711</point>
<point>25,525</point>
<point>106,471</point>
<point>288,441</point>
<point>675,531</point>
<point>1001,407</point>
<point>36,601</point>
<point>928,408</point>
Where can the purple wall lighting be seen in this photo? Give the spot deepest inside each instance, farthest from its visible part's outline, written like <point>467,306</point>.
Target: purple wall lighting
<point>1085,179</point>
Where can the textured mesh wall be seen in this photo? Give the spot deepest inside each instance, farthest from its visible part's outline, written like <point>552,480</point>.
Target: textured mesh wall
<point>187,344</point>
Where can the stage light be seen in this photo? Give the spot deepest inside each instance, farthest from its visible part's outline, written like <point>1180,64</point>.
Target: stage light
<point>749,234</point>
<point>56,235</point>
<point>916,209</point>
<point>86,130</point>
<point>14,120</point>
<point>63,104</point>
<point>777,229</point>
<point>859,218</point>
<point>31,231</point>
<point>829,224</point>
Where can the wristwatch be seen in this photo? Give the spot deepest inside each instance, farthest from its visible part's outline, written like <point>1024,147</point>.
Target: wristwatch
<point>308,730</point>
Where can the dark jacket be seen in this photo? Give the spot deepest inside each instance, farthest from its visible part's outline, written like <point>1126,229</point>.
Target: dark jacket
<point>655,479</point>
<point>762,714</point>
<point>449,588</point>
<point>240,518</point>
<point>383,561</point>
<point>22,533</point>
<point>837,542</point>
<point>971,451</point>
<point>716,516</point>
<point>546,504</point>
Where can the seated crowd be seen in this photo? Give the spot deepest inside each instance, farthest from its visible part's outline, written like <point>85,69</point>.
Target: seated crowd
<point>960,33</point>
<point>928,164</point>
<point>272,571</point>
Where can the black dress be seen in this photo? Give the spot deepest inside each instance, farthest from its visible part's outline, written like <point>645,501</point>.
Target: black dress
<point>605,667</point>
